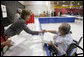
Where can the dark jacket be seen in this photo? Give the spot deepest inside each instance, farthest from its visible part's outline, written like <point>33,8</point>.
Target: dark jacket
<point>17,27</point>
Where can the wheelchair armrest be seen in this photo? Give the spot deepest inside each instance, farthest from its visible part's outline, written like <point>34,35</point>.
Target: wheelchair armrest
<point>79,54</point>
<point>75,41</point>
<point>72,47</point>
<point>78,47</point>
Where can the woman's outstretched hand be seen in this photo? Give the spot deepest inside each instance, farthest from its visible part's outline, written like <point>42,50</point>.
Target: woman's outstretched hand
<point>43,31</point>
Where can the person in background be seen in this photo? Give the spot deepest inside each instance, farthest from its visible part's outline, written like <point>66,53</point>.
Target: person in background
<point>31,19</point>
<point>62,39</point>
<point>47,13</point>
<point>17,15</point>
<point>71,13</point>
<point>66,12</point>
<point>54,13</point>
<point>60,13</point>
<point>44,13</point>
<point>20,25</point>
<point>4,40</point>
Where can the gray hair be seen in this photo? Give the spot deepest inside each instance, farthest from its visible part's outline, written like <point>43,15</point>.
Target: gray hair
<point>65,28</point>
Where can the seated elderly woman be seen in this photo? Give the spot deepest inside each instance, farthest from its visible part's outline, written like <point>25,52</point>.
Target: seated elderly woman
<point>62,40</point>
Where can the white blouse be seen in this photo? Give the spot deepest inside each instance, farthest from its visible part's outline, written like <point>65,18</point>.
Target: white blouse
<point>62,42</point>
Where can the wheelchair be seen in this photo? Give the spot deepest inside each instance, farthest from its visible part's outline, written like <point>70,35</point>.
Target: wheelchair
<point>71,51</point>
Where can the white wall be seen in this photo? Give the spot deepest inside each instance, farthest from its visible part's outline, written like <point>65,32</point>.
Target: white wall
<point>38,7</point>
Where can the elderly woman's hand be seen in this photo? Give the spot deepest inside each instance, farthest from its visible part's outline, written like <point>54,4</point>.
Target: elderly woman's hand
<point>8,43</point>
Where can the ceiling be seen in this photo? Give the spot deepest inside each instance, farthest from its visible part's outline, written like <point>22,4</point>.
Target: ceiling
<point>68,3</point>
<point>27,3</point>
<point>58,3</point>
